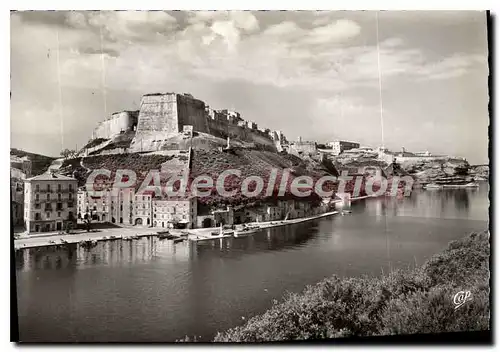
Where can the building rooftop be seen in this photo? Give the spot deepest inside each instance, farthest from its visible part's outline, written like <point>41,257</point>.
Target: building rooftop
<point>51,177</point>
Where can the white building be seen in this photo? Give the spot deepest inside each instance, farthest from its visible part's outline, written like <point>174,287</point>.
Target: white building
<point>115,206</point>
<point>143,209</point>
<point>180,213</point>
<point>49,202</point>
<point>340,146</point>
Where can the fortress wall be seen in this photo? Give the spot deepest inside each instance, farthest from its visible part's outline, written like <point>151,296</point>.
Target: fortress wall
<point>419,159</point>
<point>191,111</point>
<point>223,130</point>
<point>118,122</point>
<point>158,113</point>
<point>101,131</point>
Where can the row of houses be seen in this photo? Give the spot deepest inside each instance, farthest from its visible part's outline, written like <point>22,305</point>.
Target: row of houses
<point>125,207</point>
<point>303,148</point>
<point>20,169</point>
<point>52,202</point>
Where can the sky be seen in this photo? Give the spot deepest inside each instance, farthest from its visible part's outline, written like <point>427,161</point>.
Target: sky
<point>321,75</point>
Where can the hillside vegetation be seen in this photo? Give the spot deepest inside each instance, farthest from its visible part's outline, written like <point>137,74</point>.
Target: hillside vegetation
<point>39,163</point>
<point>403,302</point>
<point>212,163</point>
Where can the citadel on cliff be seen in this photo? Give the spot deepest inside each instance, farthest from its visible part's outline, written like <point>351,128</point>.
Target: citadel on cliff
<point>166,119</point>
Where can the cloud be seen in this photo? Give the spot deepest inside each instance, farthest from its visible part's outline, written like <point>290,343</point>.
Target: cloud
<point>123,25</point>
<point>452,67</point>
<point>339,31</point>
<point>243,20</point>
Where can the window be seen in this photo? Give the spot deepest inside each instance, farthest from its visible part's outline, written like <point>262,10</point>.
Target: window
<point>48,215</point>
<point>70,187</point>
<point>143,198</point>
<point>58,214</point>
<point>37,198</point>
<point>37,205</point>
<point>59,206</point>
<point>59,187</point>
<point>70,196</point>
<point>48,188</point>
<point>37,188</point>
<point>37,216</point>
<point>48,196</point>
<point>59,196</point>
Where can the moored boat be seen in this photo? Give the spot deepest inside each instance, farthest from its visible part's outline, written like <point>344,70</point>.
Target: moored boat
<point>432,186</point>
<point>467,185</point>
<point>451,185</point>
<point>245,231</point>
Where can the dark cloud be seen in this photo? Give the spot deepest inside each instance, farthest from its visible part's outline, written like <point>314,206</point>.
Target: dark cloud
<point>50,18</point>
<point>90,50</point>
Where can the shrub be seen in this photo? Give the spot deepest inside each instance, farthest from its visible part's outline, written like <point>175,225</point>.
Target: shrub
<point>403,302</point>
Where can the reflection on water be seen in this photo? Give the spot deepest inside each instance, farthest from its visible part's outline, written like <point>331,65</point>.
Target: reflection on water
<point>154,290</point>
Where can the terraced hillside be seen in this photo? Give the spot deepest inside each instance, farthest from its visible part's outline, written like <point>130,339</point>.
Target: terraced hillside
<point>206,162</point>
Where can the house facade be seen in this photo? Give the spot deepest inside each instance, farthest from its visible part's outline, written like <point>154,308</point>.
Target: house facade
<point>175,213</point>
<point>49,202</point>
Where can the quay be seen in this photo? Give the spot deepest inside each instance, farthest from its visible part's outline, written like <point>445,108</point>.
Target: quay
<point>127,232</point>
<point>197,235</point>
<point>119,233</point>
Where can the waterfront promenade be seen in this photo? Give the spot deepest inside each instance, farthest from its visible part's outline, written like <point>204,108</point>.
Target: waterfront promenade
<point>104,234</point>
<point>206,234</point>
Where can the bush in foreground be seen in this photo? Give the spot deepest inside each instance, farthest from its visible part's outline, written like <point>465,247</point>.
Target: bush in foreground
<point>420,301</point>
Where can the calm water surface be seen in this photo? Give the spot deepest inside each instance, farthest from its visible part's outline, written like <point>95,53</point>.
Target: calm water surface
<point>153,290</point>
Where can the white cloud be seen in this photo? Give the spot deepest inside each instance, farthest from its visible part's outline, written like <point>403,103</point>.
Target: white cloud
<point>228,31</point>
<point>243,20</point>
<point>120,25</point>
<point>339,31</point>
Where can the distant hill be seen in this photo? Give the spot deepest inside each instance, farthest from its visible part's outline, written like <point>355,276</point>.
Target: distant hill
<point>39,163</point>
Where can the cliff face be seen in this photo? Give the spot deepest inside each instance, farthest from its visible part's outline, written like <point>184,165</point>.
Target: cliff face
<point>480,172</point>
<point>450,171</point>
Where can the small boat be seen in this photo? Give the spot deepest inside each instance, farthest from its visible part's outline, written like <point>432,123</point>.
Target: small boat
<point>467,185</point>
<point>245,231</point>
<point>163,235</point>
<point>223,233</point>
<point>433,186</point>
<point>88,243</point>
<point>442,186</point>
<point>178,240</point>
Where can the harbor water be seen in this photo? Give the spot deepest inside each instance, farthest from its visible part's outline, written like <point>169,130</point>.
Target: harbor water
<point>152,290</point>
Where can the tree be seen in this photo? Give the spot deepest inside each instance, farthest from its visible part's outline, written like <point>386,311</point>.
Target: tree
<point>68,153</point>
<point>87,218</point>
<point>70,222</point>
